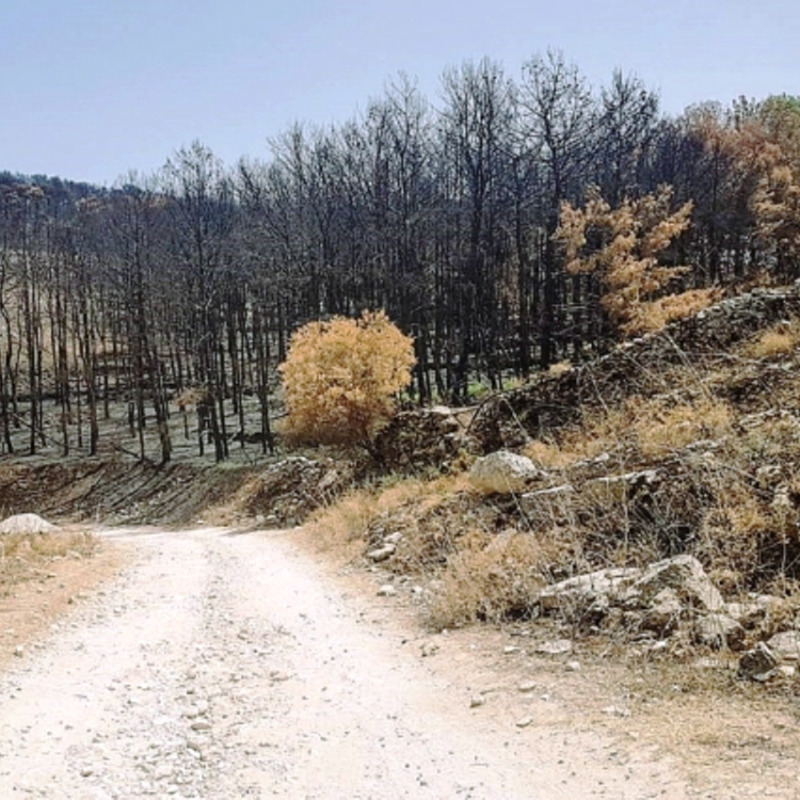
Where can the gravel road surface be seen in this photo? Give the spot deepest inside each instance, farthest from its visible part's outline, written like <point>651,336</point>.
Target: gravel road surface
<point>227,665</point>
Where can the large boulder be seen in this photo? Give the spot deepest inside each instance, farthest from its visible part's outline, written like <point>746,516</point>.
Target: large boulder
<point>504,472</point>
<point>26,523</point>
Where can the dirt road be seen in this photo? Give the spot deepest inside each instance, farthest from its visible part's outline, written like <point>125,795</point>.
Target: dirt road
<point>222,665</point>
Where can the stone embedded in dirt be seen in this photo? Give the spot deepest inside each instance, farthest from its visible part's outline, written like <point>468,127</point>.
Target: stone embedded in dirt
<point>477,700</point>
<point>524,722</point>
<point>527,686</point>
<point>782,499</point>
<point>718,631</point>
<point>504,472</point>
<point>647,477</point>
<point>785,645</point>
<point>26,523</point>
<point>664,613</point>
<point>769,475</point>
<point>387,590</point>
<point>748,615</point>
<point>557,647</point>
<point>758,664</point>
<point>574,596</point>
<point>616,711</point>
<point>707,663</point>
<point>683,574</point>
<point>381,553</point>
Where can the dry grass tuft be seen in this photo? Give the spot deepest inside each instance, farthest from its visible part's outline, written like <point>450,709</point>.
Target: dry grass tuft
<point>491,578</point>
<point>560,367</point>
<point>653,427</point>
<point>24,556</point>
<point>548,454</point>
<point>350,517</point>
<point>662,428</point>
<point>776,342</point>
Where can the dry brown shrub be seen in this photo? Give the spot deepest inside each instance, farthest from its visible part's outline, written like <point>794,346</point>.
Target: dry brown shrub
<point>347,519</point>
<point>340,377</point>
<point>624,247</point>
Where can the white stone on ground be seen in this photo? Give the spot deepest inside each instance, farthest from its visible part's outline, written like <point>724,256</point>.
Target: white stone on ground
<point>26,523</point>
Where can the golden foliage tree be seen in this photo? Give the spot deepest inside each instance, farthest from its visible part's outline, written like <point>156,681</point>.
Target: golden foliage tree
<point>340,377</point>
<point>760,144</point>
<point>622,246</point>
<point>776,202</point>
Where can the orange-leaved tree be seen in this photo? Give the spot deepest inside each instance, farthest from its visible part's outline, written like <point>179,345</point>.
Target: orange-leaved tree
<point>341,375</point>
<point>776,201</point>
<point>623,247</point>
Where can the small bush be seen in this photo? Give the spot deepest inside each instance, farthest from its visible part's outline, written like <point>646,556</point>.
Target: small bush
<point>340,377</point>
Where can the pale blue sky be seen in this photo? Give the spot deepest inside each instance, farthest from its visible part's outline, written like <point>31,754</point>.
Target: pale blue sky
<point>93,88</point>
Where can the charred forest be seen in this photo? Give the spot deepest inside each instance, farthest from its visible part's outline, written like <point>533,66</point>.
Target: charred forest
<point>181,289</point>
